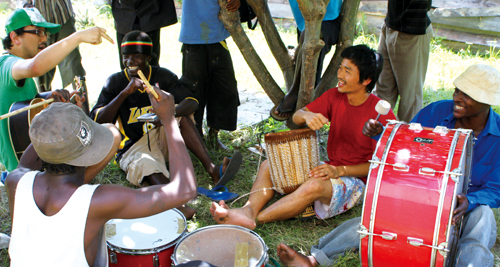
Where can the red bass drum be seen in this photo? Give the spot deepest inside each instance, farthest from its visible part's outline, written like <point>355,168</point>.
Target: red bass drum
<point>415,174</point>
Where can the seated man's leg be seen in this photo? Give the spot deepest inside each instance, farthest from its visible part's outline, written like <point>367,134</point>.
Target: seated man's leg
<point>245,216</point>
<point>295,203</point>
<point>478,237</point>
<point>341,239</point>
<point>140,162</point>
<point>195,144</point>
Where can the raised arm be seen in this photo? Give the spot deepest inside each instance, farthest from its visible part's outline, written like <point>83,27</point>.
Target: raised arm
<point>121,202</point>
<point>315,121</point>
<point>108,113</point>
<point>48,58</point>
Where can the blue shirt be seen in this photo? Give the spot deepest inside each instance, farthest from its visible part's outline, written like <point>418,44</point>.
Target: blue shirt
<point>200,23</point>
<point>484,186</point>
<point>332,12</point>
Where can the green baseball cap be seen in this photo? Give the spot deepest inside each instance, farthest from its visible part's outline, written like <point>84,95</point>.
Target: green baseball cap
<point>28,16</point>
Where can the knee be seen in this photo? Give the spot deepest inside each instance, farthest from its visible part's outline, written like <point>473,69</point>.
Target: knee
<point>313,188</point>
<point>481,215</point>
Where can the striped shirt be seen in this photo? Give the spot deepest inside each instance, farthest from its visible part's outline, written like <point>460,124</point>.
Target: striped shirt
<point>55,11</point>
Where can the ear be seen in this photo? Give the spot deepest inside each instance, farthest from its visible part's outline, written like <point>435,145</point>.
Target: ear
<point>16,40</point>
<point>148,59</point>
<point>367,82</point>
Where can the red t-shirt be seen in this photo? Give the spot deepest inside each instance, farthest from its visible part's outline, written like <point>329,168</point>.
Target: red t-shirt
<point>346,143</point>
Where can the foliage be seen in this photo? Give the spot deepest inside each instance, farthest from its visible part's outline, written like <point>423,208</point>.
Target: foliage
<point>86,13</point>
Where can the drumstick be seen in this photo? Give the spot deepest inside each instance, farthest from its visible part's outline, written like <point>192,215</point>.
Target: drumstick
<point>15,112</point>
<point>148,88</point>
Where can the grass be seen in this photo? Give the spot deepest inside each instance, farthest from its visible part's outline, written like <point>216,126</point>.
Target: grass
<point>101,61</point>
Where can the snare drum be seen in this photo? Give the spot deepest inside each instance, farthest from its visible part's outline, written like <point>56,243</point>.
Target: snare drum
<point>148,241</point>
<point>223,246</point>
<point>414,177</point>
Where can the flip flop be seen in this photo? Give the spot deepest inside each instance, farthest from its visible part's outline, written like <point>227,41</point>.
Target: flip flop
<point>217,195</point>
<point>231,169</point>
<point>278,117</point>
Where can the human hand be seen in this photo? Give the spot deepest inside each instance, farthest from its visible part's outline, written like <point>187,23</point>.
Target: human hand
<point>232,5</point>
<point>134,85</point>
<point>315,121</point>
<point>77,98</point>
<point>164,107</point>
<point>94,35</point>
<point>325,172</point>
<point>60,95</point>
<point>372,128</point>
<point>461,209</point>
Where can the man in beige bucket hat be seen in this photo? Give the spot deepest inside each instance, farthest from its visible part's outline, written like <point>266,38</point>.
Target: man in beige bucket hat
<point>476,90</point>
<point>56,214</point>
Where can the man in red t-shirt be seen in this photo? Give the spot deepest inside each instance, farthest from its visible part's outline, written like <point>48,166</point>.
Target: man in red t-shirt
<point>337,185</point>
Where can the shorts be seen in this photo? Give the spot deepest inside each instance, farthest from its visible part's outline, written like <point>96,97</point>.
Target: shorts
<point>346,193</point>
<point>138,161</point>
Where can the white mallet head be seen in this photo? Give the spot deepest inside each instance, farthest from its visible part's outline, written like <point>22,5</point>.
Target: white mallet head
<point>382,108</point>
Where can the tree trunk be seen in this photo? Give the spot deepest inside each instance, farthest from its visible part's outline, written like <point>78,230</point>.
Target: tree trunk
<point>231,21</point>
<point>346,39</point>
<point>273,39</point>
<point>313,13</point>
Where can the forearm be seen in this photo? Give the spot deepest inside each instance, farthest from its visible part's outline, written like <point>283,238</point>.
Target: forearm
<point>107,114</point>
<point>298,118</point>
<point>360,170</point>
<point>186,107</point>
<point>47,59</point>
<point>180,165</point>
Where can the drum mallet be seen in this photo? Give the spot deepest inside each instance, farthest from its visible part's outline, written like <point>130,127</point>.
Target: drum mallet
<point>383,107</point>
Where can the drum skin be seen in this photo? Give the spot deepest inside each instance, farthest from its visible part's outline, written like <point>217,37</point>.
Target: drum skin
<point>145,242</point>
<point>408,200</point>
<point>218,245</point>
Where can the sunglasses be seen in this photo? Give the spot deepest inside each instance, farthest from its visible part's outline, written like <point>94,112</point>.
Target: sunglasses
<point>38,32</point>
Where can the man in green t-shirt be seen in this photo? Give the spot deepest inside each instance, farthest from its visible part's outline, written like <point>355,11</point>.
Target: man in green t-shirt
<point>28,57</point>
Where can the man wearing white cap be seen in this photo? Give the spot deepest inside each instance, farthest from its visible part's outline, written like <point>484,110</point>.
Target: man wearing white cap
<point>28,57</point>
<point>476,90</point>
<point>58,216</point>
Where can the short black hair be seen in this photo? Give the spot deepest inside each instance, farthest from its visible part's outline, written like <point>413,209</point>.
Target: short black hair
<point>58,169</point>
<point>7,42</point>
<point>368,61</point>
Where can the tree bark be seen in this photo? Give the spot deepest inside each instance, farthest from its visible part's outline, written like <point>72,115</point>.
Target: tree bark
<point>313,13</point>
<point>346,39</point>
<point>231,21</point>
<point>273,39</point>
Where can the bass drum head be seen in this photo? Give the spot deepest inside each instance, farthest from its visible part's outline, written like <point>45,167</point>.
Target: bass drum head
<point>146,235</point>
<point>222,246</point>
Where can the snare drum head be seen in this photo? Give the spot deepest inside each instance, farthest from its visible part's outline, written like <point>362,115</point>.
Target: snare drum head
<point>219,244</point>
<point>145,234</point>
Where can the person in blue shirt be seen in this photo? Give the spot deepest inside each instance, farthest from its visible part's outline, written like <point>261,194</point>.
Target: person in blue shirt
<point>207,62</point>
<point>476,90</point>
<point>330,28</point>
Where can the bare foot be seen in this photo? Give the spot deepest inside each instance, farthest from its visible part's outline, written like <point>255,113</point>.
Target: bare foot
<point>292,258</point>
<point>222,214</point>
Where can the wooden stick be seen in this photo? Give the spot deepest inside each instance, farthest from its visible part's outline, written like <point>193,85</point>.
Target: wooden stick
<point>148,88</point>
<point>15,112</point>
